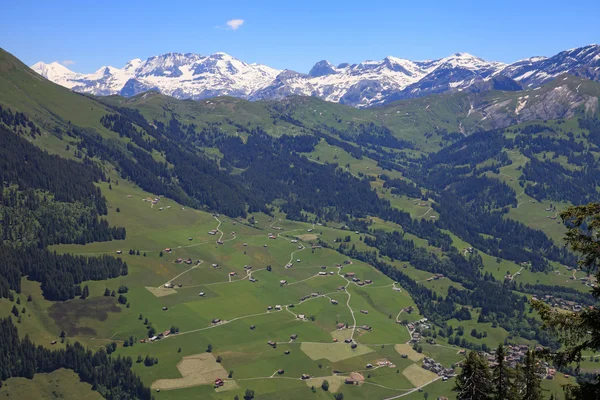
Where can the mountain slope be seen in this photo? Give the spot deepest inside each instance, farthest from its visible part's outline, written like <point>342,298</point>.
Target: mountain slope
<point>193,76</point>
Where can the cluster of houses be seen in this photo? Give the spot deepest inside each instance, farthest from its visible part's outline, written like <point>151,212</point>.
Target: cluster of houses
<point>171,285</point>
<point>415,329</point>
<point>324,273</point>
<point>181,260</point>
<point>308,296</point>
<point>154,201</point>
<point>430,365</point>
<point>557,302</point>
<point>352,275</point>
<point>515,355</point>
<point>586,280</point>
<point>156,337</point>
<point>277,307</point>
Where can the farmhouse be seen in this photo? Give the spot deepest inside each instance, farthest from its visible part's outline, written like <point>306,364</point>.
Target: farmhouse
<point>215,265</point>
<point>364,311</point>
<point>168,285</point>
<point>271,343</point>
<point>212,232</point>
<point>301,316</point>
<point>305,376</point>
<point>216,320</point>
<point>294,336</point>
<point>269,308</point>
<point>168,250</point>
<point>179,260</point>
<point>280,371</point>
<point>368,281</point>
<point>349,274</point>
<point>119,252</point>
<point>165,308</point>
<point>219,382</point>
<point>340,326</point>
<point>283,282</point>
<point>232,273</point>
<point>322,273</point>
<point>333,301</point>
<point>278,307</point>
<point>219,242</point>
<point>201,294</point>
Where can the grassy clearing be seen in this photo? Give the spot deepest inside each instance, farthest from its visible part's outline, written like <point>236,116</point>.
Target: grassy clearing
<point>60,384</point>
<point>199,369</point>
<point>332,351</point>
<point>408,350</point>
<point>418,376</point>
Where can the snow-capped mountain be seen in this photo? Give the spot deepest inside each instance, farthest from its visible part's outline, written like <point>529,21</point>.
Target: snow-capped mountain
<point>179,75</point>
<point>194,76</point>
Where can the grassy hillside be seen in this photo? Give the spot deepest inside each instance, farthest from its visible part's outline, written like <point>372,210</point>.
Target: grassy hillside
<point>459,229</point>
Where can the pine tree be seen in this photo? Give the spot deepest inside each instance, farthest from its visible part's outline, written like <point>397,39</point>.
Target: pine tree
<point>502,377</point>
<point>578,331</point>
<point>86,293</point>
<point>529,379</point>
<point>474,381</point>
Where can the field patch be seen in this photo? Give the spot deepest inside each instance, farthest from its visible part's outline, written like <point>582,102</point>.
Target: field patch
<point>332,351</point>
<point>67,314</point>
<point>335,382</point>
<point>418,376</point>
<point>408,350</point>
<point>161,291</point>
<point>307,237</point>
<point>196,370</point>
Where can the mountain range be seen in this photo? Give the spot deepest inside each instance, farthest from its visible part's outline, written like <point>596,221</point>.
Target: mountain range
<point>369,83</point>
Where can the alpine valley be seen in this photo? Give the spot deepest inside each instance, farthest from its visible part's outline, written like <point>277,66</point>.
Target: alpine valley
<point>199,227</point>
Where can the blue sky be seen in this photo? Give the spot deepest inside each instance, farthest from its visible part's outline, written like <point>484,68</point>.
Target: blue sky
<point>295,35</point>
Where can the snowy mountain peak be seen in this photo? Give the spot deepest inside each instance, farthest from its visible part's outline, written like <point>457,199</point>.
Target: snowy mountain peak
<point>371,82</point>
<point>322,68</point>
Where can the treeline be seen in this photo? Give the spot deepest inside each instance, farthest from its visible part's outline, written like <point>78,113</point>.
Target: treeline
<point>471,206</point>
<point>478,380</point>
<point>25,165</point>
<point>18,122</point>
<point>499,304</point>
<point>42,194</point>
<point>59,274</point>
<point>111,377</point>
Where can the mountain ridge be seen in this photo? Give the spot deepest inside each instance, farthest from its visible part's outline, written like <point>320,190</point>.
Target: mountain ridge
<point>369,83</point>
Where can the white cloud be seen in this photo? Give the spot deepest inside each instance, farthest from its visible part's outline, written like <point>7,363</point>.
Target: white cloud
<point>66,63</point>
<point>234,24</point>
